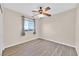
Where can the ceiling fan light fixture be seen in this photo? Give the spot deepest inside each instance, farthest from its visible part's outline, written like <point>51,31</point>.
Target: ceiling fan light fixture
<point>41,16</point>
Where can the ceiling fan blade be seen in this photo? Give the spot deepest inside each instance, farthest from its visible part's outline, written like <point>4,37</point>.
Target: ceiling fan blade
<point>47,8</point>
<point>47,14</point>
<point>34,11</point>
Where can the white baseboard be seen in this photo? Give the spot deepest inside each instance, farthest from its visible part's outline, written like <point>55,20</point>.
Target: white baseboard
<point>18,43</point>
<point>34,39</point>
<point>59,42</point>
<point>77,51</point>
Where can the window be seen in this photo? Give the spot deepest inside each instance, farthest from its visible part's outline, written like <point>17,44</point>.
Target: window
<point>28,25</point>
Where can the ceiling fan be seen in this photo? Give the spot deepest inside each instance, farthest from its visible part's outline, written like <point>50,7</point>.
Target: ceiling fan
<point>43,11</point>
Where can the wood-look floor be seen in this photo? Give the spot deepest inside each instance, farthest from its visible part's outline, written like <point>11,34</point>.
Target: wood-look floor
<point>40,47</point>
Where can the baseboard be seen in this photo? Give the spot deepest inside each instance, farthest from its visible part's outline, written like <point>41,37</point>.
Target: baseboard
<point>77,51</point>
<point>34,39</point>
<point>17,43</point>
<point>59,42</point>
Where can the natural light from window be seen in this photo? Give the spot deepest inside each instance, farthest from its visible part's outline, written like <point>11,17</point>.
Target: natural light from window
<point>29,25</point>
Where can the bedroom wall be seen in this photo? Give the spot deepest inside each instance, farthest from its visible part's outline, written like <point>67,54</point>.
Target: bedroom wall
<point>1,33</point>
<point>77,30</point>
<point>12,29</point>
<point>60,28</point>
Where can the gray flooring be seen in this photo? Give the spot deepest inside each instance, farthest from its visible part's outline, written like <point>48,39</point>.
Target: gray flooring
<point>40,47</point>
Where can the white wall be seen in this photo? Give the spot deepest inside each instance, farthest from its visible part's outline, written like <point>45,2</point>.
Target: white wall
<point>60,28</point>
<point>77,30</point>
<point>1,33</point>
<point>12,29</point>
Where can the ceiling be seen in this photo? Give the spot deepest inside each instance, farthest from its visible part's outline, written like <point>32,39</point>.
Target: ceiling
<point>26,8</point>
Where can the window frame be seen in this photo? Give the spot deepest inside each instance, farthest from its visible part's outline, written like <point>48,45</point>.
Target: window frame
<point>23,31</point>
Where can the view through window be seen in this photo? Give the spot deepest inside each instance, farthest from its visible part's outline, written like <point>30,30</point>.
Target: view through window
<point>29,25</point>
